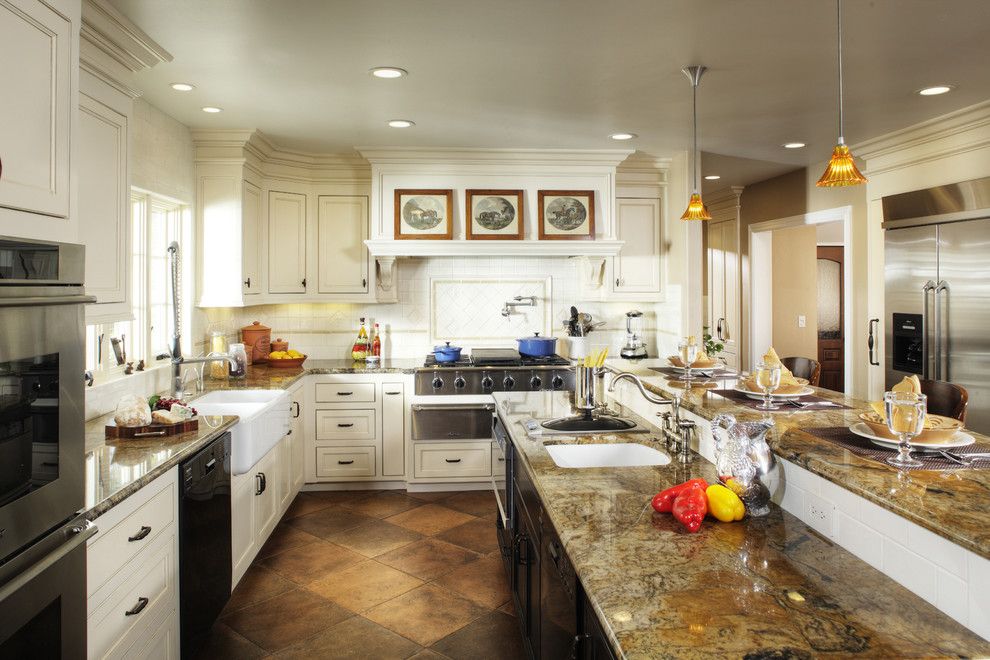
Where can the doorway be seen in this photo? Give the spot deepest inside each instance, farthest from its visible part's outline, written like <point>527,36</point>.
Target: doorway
<point>831,316</point>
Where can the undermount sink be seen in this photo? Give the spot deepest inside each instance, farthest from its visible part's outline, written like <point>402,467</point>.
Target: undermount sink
<point>588,424</point>
<point>264,420</point>
<point>626,454</point>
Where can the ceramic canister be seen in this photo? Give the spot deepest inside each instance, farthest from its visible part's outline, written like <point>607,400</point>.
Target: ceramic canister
<point>257,340</point>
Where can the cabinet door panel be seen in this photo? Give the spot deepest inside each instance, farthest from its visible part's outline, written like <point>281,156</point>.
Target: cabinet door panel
<point>393,430</point>
<point>103,207</point>
<point>250,239</point>
<point>242,527</point>
<point>286,242</point>
<point>637,266</point>
<point>34,138</point>
<point>343,257</point>
<point>266,504</point>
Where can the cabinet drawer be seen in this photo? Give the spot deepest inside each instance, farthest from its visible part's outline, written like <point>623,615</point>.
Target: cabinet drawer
<point>137,603</point>
<point>345,462</point>
<point>453,459</point>
<point>115,547</point>
<point>345,392</point>
<point>351,425</point>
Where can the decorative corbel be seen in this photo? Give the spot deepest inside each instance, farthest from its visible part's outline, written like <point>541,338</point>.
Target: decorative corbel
<point>386,268</point>
<point>591,270</point>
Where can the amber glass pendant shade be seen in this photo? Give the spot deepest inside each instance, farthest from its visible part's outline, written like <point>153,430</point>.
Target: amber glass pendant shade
<point>696,209</point>
<point>841,170</point>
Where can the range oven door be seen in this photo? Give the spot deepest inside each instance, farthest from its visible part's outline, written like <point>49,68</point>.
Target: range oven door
<point>43,596</point>
<point>42,441</point>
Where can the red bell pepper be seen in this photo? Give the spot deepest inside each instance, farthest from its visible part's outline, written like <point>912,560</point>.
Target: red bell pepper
<point>690,507</point>
<point>663,501</point>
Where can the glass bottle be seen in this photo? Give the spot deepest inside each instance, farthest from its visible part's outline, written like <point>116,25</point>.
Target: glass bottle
<point>375,355</point>
<point>218,344</point>
<point>360,349</point>
<point>240,357</point>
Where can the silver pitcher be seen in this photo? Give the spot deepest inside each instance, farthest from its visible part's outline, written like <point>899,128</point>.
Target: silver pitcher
<point>742,453</point>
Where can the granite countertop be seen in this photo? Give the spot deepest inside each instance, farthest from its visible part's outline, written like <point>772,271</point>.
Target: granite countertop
<point>953,504</point>
<point>761,588</point>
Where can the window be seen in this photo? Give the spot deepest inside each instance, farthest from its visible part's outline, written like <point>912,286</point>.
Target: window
<point>156,222</point>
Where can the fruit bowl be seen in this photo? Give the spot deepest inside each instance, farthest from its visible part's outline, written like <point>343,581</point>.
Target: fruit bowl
<point>286,363</point>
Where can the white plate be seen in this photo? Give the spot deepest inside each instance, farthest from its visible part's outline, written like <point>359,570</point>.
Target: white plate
<point>715,367</point>
<point>775,397</point>
<point>960,439</point>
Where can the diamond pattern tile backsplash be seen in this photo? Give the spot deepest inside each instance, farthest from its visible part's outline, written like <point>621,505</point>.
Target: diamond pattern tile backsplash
<point>470,310</point>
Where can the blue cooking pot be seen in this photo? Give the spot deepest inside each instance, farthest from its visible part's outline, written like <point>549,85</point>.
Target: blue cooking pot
<point>537,346</point>
<point>447,353</point>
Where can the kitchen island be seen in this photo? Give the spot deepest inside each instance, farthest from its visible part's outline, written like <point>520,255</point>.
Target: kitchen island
<point>766,587</point>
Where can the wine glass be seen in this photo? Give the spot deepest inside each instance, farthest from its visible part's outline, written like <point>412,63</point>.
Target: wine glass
<point>906,412</point>
<point>689,353</point>
<point>768,380</point>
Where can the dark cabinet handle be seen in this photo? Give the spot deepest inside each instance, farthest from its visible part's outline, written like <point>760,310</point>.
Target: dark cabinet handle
<point>617,281</point>
<point>871,343</point>
<point>501,460</point>
<point>298,409</point>
<point>262,482</point>
<point>576,644</point>
<point>247,282</point>
<point>344,426</point>
<point>288,433</point>
<point>345,462</point>
<point>141,604</point>
<point>304,282</point>
<point>344,393</point>
<point>142,534</point>
<point>453,460</point>
<point>718,329</point>
<point>364,283</point>
<point>393,393</point>
<point>49,464</point>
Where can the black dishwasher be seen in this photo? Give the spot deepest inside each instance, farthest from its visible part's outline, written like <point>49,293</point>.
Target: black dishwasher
<point>204,542</point>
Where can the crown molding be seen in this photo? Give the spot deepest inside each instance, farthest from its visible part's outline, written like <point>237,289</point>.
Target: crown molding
<point>471,156</point>
<point>112,33</point>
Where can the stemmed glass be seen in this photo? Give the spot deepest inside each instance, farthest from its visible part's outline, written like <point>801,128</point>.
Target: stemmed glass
<point>906,412</point>
<point>768,379</point>
<point>689,353</point>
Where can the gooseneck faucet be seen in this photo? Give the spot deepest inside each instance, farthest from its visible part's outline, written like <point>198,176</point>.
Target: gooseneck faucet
<point>652,398</point>
<point>178,385</point>
<point>677,432</point>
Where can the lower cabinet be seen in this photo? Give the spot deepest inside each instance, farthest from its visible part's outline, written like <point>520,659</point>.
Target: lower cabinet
<point>525,576</point>
<point>594,642</point>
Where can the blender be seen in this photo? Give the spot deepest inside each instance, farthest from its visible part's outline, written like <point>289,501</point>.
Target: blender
<point>635,347</point>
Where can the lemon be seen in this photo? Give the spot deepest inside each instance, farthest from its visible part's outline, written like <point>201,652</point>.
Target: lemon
<point>292,353</point>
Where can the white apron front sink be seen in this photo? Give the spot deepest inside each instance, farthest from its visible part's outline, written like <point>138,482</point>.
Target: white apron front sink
<point>264,420</point>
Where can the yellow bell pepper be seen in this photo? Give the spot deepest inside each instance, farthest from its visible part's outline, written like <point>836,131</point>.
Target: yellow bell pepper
<point>723,504</point>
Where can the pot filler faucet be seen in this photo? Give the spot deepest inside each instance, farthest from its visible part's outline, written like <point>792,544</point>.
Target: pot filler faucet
<point>178,386</point>
<point>677,432</point>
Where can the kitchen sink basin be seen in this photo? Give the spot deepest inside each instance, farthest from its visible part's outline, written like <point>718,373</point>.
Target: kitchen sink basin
<point>586,424</point>
<point>627,454</point>
<point>264,420</point>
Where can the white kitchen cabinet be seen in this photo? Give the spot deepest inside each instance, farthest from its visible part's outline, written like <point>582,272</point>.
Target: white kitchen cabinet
<point>36,78</point>
<point>286,242</point>
<point>636,269</point>
<point>723,287</point>
<point>342,227</point>
<point>251,242</point>
<point>393,429</point>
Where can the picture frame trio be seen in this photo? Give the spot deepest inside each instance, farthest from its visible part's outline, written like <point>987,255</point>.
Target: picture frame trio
<point>427,214</point>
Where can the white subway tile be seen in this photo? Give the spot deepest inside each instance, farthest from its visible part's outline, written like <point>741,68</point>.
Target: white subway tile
<point>844,500</point>
<point>792,499</point>
<point>802,478</point>
<point>979,594</point>
<point>938,550</point>
<point>887,523</point>
<point>953,596</point>
<point>859,539</point>
<point>913,571</point>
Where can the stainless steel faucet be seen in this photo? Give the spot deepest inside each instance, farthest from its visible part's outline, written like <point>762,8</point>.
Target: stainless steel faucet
<point>178,384</point>
<point>652,398</point>
<point>677,432</point>
<point>518,302</point>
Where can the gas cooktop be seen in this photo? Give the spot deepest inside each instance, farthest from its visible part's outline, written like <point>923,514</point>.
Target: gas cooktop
<point>489,370</point>
<point>497,359</point>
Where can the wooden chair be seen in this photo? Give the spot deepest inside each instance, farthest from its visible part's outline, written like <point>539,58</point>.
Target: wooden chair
<point>946,399</point>
<point>803,367</point>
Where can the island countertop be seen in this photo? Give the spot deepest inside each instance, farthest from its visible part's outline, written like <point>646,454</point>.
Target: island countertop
<point>953,504</point>
<point>763,588</point>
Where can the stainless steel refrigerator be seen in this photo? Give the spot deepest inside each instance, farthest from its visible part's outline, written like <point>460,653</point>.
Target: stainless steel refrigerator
<point>937,306</point>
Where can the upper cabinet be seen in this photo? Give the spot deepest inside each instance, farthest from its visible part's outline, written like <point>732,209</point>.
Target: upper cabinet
<point>342,225</point>
<point>251,240</point>
<point>636,269</point>
<point>286,242</point>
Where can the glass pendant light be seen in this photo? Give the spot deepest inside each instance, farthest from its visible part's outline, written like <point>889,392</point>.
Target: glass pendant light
<point>841,169</point>
<point>696,209</point>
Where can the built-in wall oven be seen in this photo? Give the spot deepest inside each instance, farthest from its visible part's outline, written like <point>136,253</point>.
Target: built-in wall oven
<point>41,440</point>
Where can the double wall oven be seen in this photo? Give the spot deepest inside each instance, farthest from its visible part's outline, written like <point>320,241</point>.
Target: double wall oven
<point>42,443</point>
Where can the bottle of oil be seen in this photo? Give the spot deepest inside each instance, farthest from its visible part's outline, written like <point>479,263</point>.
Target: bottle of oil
<point>360,349</point>
<point>375,354</point>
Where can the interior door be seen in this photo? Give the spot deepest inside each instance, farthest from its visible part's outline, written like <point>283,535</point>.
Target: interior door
<point>286,242</point>
<point>831,315</point>
<point>343,256</point>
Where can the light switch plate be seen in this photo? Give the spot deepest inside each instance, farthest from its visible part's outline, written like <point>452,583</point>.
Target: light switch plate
<point>802,321</point>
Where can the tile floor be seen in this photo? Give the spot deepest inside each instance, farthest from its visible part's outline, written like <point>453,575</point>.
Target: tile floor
<point>375,574</point>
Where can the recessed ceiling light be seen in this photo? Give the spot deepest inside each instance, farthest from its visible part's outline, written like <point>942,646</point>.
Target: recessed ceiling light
<point>622,136</point>
<point>388,72</point>
<point>182,87</point>
<point>712,177</point>
<point>935,91</point>
<point>793,145</point>
<point>401,123</point>
<point>212,110</point>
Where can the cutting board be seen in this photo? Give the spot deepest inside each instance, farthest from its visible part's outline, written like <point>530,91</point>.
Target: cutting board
<point>114,432</point>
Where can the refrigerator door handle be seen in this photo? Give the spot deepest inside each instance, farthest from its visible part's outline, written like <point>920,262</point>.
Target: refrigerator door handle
<point>871,342</point>
<point>939,358</point>
<point>926,327</point>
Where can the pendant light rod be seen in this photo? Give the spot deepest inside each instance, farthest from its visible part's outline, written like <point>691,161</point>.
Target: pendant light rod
<point>694,74</point>
<point>838,12</point>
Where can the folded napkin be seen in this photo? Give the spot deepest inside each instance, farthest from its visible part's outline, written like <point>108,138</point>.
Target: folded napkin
<point>788,383</point>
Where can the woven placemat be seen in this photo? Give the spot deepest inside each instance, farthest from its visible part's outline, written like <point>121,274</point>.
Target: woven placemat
<point>816,402</point>
<point>842,436</point>
<point>695,373</point>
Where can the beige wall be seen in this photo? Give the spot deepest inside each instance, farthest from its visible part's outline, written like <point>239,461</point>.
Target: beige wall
<point>795,291</point>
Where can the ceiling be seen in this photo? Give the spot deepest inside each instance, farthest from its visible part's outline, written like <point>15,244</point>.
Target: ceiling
<point>566,73</point>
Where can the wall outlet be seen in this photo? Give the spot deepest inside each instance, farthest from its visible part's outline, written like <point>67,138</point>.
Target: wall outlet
<point>819,513</point>
<point>802,321</point>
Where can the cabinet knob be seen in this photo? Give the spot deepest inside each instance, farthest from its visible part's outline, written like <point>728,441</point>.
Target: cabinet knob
<point>247,282</point>
<point>304,282</point>
<point>364,283</point>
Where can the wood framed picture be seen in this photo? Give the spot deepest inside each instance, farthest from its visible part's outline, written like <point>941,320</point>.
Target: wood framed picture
<point>424,214</point>
<point>566,214</point>
<point>494,214</point>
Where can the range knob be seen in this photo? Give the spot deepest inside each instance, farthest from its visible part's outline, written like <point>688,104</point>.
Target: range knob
<point>536,382</point>
<point>437,382</point>
<point>556,382</point>
<point>487,383</point>
<point>459,383</point>
<point>508,382</point>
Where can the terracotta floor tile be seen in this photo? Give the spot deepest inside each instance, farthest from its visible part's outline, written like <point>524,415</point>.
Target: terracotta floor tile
<point>341,496</point>
<point>426,614</point>
<point>428,654</point>
<point>225,644</point>
<point>363,585</point>
<point>284,537</point>
<point>304,504</point>
<point>479,503</point>
<point>258,584</point>
<point>478,535</point>
<point>312,561</point>
<point>427,559</point>
<point>356,638</point>
<point>432,496</point>
<point>430,519</point>
<point>285,619</point>
<point>494,636</point>
<point>483,581</point>
<point>384,504</point>
<point>374,537</point>
<point>509,608</point>
<point>327,521</point>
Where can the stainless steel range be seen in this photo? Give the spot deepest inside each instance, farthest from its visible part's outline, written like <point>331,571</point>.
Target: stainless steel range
<point>491,370</point>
